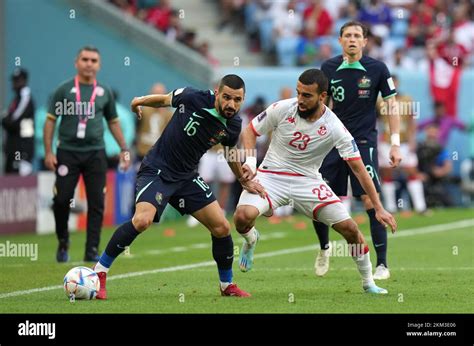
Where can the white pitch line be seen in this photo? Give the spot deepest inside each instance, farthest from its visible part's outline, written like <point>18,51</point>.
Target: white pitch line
<point>306,269</point>
<point>274,235</point>
<point>407,233</point>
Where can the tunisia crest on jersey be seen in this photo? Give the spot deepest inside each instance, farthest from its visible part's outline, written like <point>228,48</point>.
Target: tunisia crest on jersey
<point>322,130</point>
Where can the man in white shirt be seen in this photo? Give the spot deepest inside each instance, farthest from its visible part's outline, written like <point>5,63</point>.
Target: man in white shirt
<point>304,130</point>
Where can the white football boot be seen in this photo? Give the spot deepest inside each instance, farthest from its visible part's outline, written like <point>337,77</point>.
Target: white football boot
<point>381,273</point>
<point>321,266</point>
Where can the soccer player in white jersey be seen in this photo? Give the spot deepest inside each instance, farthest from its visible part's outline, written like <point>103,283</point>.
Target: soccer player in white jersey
<point>304,131</point>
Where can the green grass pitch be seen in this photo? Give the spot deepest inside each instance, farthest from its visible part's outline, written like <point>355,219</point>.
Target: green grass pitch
<point>170,270</point>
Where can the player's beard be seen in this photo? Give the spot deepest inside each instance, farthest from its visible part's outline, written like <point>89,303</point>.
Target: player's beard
<point>222,112</point>
<point>309,112</point>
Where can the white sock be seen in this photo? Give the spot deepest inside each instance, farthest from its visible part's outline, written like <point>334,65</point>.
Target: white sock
<point>224,285</point>
<point>364,266</point>
<point>250,237</point>
<point>415,188</point>
<point>389,196</point>
<point>100,268</point>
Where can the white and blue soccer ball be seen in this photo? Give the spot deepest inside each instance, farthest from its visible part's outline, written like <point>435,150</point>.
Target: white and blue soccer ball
<point>81,283</point>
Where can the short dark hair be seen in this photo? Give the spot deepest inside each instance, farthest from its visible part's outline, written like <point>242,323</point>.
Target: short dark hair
<point>315,76</point>
<point>365,29</point>
<point>232,81</point>
<point>89,49</point>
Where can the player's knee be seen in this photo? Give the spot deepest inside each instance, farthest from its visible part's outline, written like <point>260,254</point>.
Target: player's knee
<point>348,229</point>
<point>221,230</point>
<point>142,221</point>
<point>242,217</point>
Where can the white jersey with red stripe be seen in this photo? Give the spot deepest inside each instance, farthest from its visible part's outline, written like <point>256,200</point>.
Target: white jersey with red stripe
<point>298,146</point>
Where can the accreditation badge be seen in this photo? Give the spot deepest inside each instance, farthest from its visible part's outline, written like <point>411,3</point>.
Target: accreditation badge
<point>81,129</point>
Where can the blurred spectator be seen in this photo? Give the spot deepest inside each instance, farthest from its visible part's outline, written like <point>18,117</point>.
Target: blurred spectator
<point>174,31</point>
<point>159,15</point>
<point>231,12</point>
<point>317,16</point>
<point>409,162</point>
<point>454,53</point>
<point>463,27</point>
<point>445,124</point>
<point>444,80</point>
<point>400,60</point>
<point>203,49</point>
<point>376,15</point>
<point>287,24</point>
<point>335,8</point>
<point>126,6</point>
<point>189,39</point>
<point>435,166</point>
<point>374,47</point>
<point>127,122</point>
<point>348,13</point>
<point>257,12</point>
<point>18,123</point>
<point>421,27</point>
<point>311,50</point>
<point>152,124</point>
<point>467,166</point>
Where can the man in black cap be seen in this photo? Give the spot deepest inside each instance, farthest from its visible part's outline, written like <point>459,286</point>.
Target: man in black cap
<point>19,126</point>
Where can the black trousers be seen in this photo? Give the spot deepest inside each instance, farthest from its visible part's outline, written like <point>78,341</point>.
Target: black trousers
<point>93,167</point>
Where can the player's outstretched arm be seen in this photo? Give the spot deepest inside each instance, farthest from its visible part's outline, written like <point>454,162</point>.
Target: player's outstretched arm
<point>383,216</point>
<point>249,142</point>
<point>155,101</point>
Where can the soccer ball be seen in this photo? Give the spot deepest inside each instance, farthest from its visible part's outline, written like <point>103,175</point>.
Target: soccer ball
<point>81,283</point>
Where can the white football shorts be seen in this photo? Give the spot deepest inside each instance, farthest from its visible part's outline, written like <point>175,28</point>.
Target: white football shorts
<point>310,196</point>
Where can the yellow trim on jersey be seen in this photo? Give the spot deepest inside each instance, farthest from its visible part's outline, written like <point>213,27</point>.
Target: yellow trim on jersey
<point>51,116</point>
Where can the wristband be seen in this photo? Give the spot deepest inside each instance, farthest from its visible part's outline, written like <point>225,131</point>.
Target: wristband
<point>395,139</point>
<point>251,161</point>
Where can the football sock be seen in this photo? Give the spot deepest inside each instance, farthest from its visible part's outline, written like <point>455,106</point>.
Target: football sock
<point>389,196</point>
<point>322,231</point>
<point>364,266</point>
<point>415,188</point>
<point>250,236</point>
<point>123,237</point>
<point>223,254</point>
<point>379,238</point>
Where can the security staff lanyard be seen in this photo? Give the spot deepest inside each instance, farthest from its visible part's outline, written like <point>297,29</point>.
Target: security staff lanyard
<point>81,126</point>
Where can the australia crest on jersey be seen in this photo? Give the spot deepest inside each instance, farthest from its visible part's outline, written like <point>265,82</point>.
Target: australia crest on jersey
<point>217,138</point>
<point>364,82</point>
<point>364,87</point>
<point>159,198</point>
